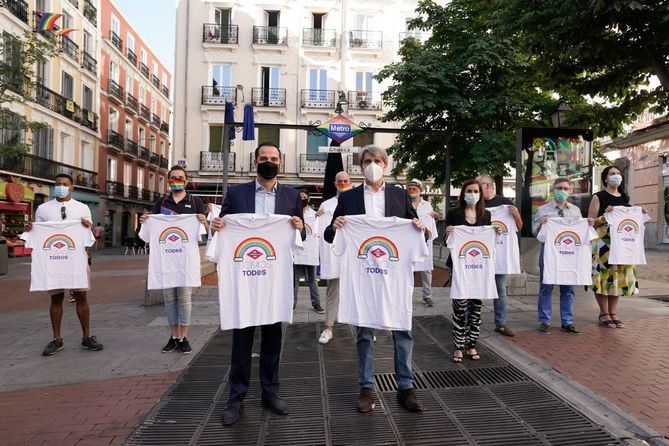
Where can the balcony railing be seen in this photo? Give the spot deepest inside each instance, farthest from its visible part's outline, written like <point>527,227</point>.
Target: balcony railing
<point>50,35</point>
<point>270,35</point>
<point>145,195</point>
<point>213,161</point>
<point>75,3</point>
<point>421,37</point>
<point>132,57</point>
<point>68,47</point>
<point>155,120</point>
<point>131,103</point>
<point>364,100</point>
<point>116,40</point>
<point>326,38</point>
<point>365,39</point>
<point>282,169</point>
<point>165,128</point>
<point>89,63</point>
<point>318,99</point>
<point>133,192</point>
<point>115,140</point>
<point>89,119</point>
<point>164,163</point>
<point>156,196</point>
<point>269,97</point>
<point>17,7</point>
<point>155,81</point>
<point>131,147</point>
<point>216,33</point>
<point>154,159</point>
<point>218,95</point>
<point>38,167</point>
<point>165,91</point>
<point>144,69</point>
<point>144,113</point>
<point>115,91</point>
<point>144,154</point>
<point>57,103</point>
<point>91,12</point>
<point>313,163</point>
<point>115,188</point>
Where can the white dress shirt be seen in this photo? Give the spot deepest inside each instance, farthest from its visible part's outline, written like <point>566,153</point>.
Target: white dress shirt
<point>265,201</point>
<point>375,202</point>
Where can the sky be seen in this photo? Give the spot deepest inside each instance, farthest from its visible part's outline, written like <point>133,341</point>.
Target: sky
<point>155,22</point>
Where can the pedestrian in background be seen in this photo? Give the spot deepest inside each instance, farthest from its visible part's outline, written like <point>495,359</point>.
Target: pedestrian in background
<point>305,264</point>
<point>426,215</point>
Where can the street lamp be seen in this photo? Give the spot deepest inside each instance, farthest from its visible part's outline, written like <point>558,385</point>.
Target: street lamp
<point>341,102</point>
<point>560,115</point>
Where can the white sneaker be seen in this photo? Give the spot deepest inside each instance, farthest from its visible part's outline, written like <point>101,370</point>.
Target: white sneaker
<point>325,336</point>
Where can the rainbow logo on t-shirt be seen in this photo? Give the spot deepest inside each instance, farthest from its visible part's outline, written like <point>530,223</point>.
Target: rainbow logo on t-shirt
<point>309,229</point>
<point>474,248</point>
<point>59,241</point>
<point>567,238</point>
<point>173,234</point>
<point>628,225</point>
<point>254,247</point>
<point>378,247</point>
<point>501,225</point>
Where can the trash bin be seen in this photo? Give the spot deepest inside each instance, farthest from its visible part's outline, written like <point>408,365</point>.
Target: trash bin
<point>4,258</point>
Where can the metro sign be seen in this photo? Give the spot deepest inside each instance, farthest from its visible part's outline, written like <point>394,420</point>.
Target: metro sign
<point>339,128</point>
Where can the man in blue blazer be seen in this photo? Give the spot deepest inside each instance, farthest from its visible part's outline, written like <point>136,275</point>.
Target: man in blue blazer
<point>374,198</point>
<point>260,196</point>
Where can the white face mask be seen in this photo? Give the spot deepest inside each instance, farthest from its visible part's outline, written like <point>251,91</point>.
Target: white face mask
<point>472,197</point>
<point>615,180</point>
<point>373,172</point>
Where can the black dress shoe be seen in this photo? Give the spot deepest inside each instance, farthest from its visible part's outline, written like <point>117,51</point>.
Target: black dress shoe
<point>231,413</point>
<point>276,405</point>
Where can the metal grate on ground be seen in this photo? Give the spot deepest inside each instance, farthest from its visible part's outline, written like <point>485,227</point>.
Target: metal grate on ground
<point>488,402</point>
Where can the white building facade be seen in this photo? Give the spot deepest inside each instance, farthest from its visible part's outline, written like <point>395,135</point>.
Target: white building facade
<point>292,60</point>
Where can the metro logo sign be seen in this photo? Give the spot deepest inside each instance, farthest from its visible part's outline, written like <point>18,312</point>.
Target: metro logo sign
<point>339,128</point>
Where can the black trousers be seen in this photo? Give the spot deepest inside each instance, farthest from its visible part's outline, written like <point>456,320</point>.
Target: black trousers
<point>240,362</point>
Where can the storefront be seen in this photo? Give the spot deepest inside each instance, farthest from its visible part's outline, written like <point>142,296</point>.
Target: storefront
<point>92,200</point>
<point>16,208</point>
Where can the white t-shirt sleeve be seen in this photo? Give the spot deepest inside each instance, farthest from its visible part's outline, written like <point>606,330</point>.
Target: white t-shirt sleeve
<point>450,240</point>
<point>338,246</point>
<point>592,234</point>
<point>144,231</point>
<point>541,236</point>
<point>89,239</point>
<point>297,244</point>
<point>28,238</point>
<point>609,217</point>
<point>645,217</point>
<point>87,213</point>
<point>39,214</point>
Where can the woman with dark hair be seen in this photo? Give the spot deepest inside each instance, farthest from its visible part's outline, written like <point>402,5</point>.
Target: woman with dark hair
<point>467,312</point>
<point>609,281</point>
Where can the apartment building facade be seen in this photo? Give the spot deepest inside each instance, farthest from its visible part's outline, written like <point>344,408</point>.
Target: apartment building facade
<point>135,112</point>
<point>293,61</point>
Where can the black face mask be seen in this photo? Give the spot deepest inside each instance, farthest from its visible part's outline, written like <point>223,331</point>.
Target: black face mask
<point>305,201</point>
<point>268,170</point>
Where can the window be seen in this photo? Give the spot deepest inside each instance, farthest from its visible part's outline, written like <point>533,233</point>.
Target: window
<point>155,69</point>
<point>130,42</point>
<point>142,56</point>
<point>361,140</point>
<point>164,79</point>
<point>127,173</point>
<point>67,87</point>
<point>43,142</point>
<point>364,22</point>
<point>41,72</point>
<point>313,143</point>
<point>10,129</point>
<point>66,152</point>
<point>111,169</point>
<point>141,140</point>
<point>41,5</point>
<point>153,106</point>
<point>128,84</point>
<point>87,98</point>
<point>115,25</point>
<point>364,81</point>
<point>152,181</point>
<point>67,20</point>
<point>272,18</point>
<point>86,155</point>
<point>318,19</point>
<point>140,178</point>
<point>142,94</point>
<point>215,138</point>
<point>152,143</point>
<point>113,71</point>
<point>162,149</point>
<point>269,134</point>
<point>113,119</point>
<point>88,43</point>
<point>161,185</point>
<point>128,129</point>
<point>222,16</point>
<point>221,76</point>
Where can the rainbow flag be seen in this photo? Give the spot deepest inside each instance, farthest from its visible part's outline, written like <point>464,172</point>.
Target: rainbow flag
<point>48,20</point>
<point>66,31</point>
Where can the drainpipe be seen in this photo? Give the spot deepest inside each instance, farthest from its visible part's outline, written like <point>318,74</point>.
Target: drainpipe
<point>186,79</point>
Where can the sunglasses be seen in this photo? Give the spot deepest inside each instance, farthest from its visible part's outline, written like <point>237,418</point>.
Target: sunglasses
<point>63,215</point>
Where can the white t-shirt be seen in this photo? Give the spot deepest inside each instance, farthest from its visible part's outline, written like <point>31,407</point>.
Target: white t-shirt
<point>309,253</point>
<point>329,261</point>
<point>51,211</point>
<point>376,266</point>
<point>507,253</point>
<point>213,213</point>
<point>254,253</point>
<point>567,251</point>
<point>424,211</point>
<point>473,254</point>
<point>174,257</point>
<point>59,259</point>
<point>627,233</point>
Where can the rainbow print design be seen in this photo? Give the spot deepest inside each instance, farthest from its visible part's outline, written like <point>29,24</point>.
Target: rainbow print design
<point>173,234</point>
<point>254,247</point>
<point>47,20</point>
<point>378,247</point>
<point>59,241</point>
<point>628,225</point>
<point>309,229</point>
<point>501,225</point>
<point>474,248</point>
<point>567,238</point>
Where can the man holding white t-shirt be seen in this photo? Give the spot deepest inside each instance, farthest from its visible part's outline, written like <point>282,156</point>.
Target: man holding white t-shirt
<point>62,208</point>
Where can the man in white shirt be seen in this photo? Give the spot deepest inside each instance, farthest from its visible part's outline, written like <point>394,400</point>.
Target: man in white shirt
<point>427,215</point>
<point>304,267</point>
<point>327,208</point>
<point>61,208</point>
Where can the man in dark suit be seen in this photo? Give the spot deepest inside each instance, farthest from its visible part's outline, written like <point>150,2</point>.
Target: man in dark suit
<point>377,199</point>
<point>260,196</point>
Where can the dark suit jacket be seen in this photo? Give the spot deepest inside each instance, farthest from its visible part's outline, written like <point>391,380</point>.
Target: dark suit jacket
<point>352,202</point>
<point>242,199</point>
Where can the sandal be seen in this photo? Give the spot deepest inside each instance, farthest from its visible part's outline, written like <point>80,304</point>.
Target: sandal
<point>616,321</point>
<point>473,356</point>
<point>607,323</point>
<point>456,358</point>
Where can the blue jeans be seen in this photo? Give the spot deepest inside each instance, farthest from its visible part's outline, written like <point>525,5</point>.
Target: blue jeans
<point>545,291</point>
<point>403,342</point>
<point>178,305</point>
<point>500,302</point>
<point>309,274</point>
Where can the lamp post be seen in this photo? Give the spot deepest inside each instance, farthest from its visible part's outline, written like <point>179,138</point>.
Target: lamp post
<point>560,115</point>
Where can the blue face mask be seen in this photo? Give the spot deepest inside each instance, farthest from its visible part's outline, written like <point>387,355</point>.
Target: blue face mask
<point>471,198</point>
<point>61,191</point>
<point>561,195</point>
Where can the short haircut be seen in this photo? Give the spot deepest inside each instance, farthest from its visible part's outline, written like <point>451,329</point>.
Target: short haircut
<point>487,177</point>
<point>374,151</point>
<point>304,190</point>
<point>65,175</point>
<point>267,143</point>
<point>562,180</point>
<point>177,167</point>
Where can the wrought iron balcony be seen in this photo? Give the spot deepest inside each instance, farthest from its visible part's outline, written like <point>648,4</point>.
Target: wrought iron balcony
<point>155,81</point>
<point>91,12</point>
<point>269,97</point>
<point>89,63</point>
<point>131,103</point>
<point>155,121</point>
<point>115,91</point>
<point>218,95</point>
<point>115,188</point>
<point>57,103</point>
<point>318,99</point>
<point>282,168</point>
<point>17,7</point>
<point>144,113</point>
<point>364,100</point>
<point>270,35</point>
<point>133,192</point>
<point>365,39</point>
<point>68,47</point>
<point>165,128</point>
<point>75,3</point>
<point>144,154</point>
<point>49,35</point>
<point>89,119</point>
<point>313,163</point>
<point>131,56</point>
<point>164,163</point>
<point>165,91</point>
<point>326,38</point>
<point>145,195</point>
<point>213,161</point>
<point>154,159</point>
<point>116,40</point>
<point>45,168</point>
<point>131,148</point>
<point>115,140</point>
<point>144,69</point>
<point>223,34</point>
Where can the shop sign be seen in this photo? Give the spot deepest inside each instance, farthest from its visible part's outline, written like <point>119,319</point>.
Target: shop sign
<point>69,106</point>
<point>16,192</point>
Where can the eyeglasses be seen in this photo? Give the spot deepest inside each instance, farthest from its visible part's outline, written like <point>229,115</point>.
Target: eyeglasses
<point>63,215</point>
